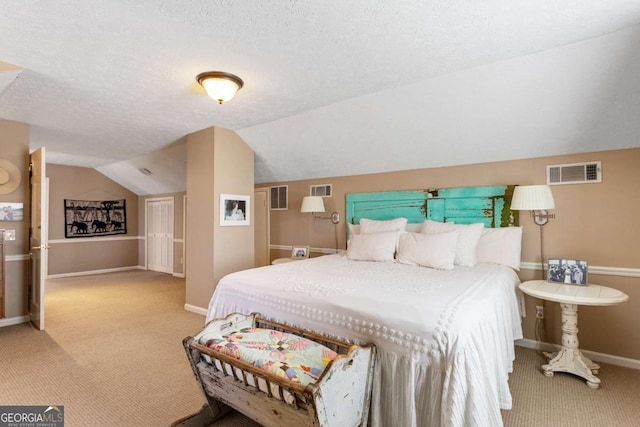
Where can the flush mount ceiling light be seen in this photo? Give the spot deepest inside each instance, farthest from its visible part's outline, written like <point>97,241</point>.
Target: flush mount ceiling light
<point>219,85</point>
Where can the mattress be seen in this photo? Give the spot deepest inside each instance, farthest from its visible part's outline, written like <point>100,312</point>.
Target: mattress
<point>444,338</point>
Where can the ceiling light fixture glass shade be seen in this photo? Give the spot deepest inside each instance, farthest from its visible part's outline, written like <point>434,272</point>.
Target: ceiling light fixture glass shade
<point>312,204</point>
<point>219,85</point>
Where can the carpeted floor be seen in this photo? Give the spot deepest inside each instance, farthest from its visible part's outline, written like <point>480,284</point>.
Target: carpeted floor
<point>112,355</point>
<point>111,352</point>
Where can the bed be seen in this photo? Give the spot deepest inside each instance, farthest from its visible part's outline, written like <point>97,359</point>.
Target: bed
<point>444,336</point>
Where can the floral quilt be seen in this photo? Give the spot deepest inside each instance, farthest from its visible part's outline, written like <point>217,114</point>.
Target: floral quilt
<point>286,355</point>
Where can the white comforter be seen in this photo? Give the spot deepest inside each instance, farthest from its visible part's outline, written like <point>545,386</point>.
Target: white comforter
<point>444,338</point>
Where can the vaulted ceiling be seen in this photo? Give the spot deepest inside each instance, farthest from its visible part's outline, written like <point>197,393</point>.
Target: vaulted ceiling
<point>331,87</point>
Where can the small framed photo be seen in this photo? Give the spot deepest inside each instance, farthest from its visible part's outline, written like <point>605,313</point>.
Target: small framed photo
<point>11,212</point>
<point>569,271</point>
<point>299,252</point>
<point>235,210</point>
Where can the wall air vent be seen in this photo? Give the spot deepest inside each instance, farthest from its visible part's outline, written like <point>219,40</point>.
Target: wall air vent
<point>279,198</point>
<point>575,173</point>
<point>323,190</point>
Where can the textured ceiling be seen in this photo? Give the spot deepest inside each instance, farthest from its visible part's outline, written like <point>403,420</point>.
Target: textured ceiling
<point>106,82</point>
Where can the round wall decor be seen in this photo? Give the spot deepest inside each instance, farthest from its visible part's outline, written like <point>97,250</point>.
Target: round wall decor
<point>10,177</point>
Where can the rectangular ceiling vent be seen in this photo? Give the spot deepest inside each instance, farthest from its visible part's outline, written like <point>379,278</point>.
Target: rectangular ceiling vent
<point>575,173</point>
<point>323,190</point>
<point>279,198</point>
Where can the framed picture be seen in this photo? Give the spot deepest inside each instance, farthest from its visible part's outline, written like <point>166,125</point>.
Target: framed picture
<point>235,210</point>
<point>11,212</point>
<point>94,218</point>
<point>300,252</point>
<point>569,271</point>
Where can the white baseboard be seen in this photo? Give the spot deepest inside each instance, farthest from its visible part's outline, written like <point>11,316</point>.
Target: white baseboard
<point>91,272</point>
<point>593,355</point>
<point>13,321</point>
<point>195,309</point>
<point>180,275</point>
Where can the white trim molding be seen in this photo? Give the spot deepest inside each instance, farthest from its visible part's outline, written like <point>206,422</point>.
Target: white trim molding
<point>95,239</point>
<point>23,257</point>
<point>325,251</point>
<point>195,309</point>
<point>10,321</point>
<point>91,272</point>
<point>180,275</point>
<point>593,355</point>
<point>525,265</point>
<point>593,269</point>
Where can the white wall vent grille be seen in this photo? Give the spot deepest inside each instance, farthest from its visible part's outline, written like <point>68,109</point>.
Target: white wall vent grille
<point>279,198</point>
<point>575,173</point>
<point>323,190</point>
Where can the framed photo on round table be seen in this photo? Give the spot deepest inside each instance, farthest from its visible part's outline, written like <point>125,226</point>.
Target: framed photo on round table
<point>569,271</point>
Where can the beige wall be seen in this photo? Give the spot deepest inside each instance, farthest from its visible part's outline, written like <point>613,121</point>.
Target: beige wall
<point>218,161</point>
<point>178,236</point>
<point>594,222</point>
<point>95,253</point>
<point>233,246</point>
<point>14,147</point>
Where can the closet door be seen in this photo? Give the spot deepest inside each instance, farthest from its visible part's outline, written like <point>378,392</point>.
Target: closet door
<point>160,235</point>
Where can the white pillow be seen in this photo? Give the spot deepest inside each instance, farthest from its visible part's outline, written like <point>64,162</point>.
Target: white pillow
<point>501,246</point>
<point>375,226</point>
<point>468,237</point>
<point>413,227</point>
<point>434,227</point>
<point>428,250</point>
<point>372,246</point>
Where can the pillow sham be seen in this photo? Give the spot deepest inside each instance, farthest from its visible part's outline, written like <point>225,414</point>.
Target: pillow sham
<point>353,229</point>
<point>468,237</point>
<point>376,226</point>
<point>428,250</point>
<point>501,246</point>
<point>433,227</point>
<point>413,227</point>
<point>372,246</point>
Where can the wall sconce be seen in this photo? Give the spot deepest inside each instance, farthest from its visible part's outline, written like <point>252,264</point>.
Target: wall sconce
<point>315,204</point>
<point>535,198</point>
<point>219,85</point>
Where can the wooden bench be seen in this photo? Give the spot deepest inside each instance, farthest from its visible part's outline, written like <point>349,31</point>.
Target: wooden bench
<point>340,396</point>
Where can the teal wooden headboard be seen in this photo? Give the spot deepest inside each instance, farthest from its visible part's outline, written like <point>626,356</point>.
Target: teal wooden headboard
<point>462,205</point>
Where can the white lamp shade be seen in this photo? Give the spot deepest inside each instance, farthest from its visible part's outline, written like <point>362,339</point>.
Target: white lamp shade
<point>532,198</point>
<point>312,204</point>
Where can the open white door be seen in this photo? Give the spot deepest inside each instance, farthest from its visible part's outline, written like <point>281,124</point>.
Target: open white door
<point>38,236</point>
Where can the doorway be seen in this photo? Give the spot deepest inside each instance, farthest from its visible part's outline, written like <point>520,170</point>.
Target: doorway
<point>261,230</point>
<point>159,234</point>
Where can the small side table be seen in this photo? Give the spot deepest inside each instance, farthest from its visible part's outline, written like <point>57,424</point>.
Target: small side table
<point>570,359</point>
<point>283,260</point>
